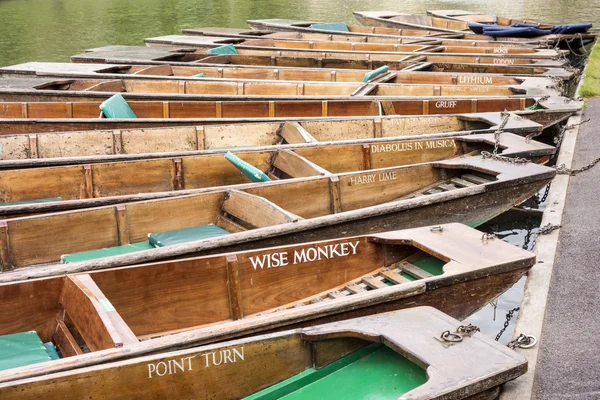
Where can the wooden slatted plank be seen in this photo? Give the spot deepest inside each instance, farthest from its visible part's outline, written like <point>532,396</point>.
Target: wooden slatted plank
<point>373,283</point>
<point>415,271</point>
<point>475,179</point>
<point>316,300</point>
<point>354,288</point>
<point>445,186</point>
<point>432,191</point>
<point>335,295</point>
<point>394,277</point>
<point>461,182</point>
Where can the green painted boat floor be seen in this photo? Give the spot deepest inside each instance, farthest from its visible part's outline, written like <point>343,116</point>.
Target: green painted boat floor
<point>177,236</point>
<point>24,348</point>
<point>431,264</point>
<point>106,252</point>
<point>34,201</point>
<point>375,372</point>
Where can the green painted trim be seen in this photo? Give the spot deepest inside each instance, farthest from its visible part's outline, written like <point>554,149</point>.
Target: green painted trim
<point>34,201</point>
<point>227,49</point>
<point>106,252</point>
<point>369,76</point>
<point>253,173</point>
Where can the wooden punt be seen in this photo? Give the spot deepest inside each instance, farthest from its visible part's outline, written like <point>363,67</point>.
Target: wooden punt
<point>176,72</point>
<point>208,40</point>
<point>187,56</point>
<point>413,21</point>
<point>122,144</point>
<point>76,183</point>
<point>267,47</point>
<point>19,89</point>
<point>385,34</point>
<point>393,354</point>
<point>470,190</point>
<point>481,18</point>
<point>52,115</point>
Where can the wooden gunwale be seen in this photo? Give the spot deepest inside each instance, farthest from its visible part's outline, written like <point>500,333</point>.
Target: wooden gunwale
<point>52,149</point>
<point>77,183</point>
<point>185,56</point>
<point>386,33</point>
<point>373,202</point>
<point>23,87</point>
<point>494,59</point>
<point>228,73</point>
<point>283,45</point>
<point>496,262</point>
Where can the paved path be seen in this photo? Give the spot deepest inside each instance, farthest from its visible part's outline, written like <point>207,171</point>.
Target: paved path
<point>569,355</point>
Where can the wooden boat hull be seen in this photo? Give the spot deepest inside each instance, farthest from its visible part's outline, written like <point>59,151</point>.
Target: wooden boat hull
<point>242,298</point>
<point>168,72</point>
<point>367,206</point>
<point>208,170</point>
<point>493,59</point>
<point>344,47</point>
<point>13,89</point>
<point>128,144</point>
<point>303,348</point>
<point>168,55</point>
<point>382,34</point>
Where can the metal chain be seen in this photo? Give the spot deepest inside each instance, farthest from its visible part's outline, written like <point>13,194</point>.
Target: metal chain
<point>488,236</point>
<point>563,170</point>
<point>461,331</point>
<point>509,316</point>
<point>522,341</point>
<point>548,228</point>
<point>536,198</point>
<point>527,239</point>
<point>467,329</point>
<point>494,154</point>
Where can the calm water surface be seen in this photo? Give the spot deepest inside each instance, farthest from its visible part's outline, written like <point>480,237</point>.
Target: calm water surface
<point>53,30</point>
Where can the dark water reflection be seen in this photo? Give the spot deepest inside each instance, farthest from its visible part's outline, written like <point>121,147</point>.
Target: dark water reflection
<point>53,30</point>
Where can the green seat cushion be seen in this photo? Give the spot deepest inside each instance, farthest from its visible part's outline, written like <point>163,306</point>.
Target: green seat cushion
<point>184,235</point>
<point>374,372</point>
<point>332,26</point>
<point>253,173</point>
<point>34,201</point>
<point>23,348</point>
<point>200,75</point>
<point>52,353</point>
<point>106,252</point>
<point>117,107</point>
<point>375,73</point>
<point>226,49</point>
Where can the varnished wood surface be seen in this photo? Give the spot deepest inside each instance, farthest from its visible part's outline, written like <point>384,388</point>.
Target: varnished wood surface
<point>176,57</point>
<point>463,370</point>
<point>100,178</point>
<point>371,201</point>
<point>181,285</point>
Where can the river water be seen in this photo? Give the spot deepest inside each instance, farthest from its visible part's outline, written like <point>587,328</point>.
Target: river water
<point>53,30</point>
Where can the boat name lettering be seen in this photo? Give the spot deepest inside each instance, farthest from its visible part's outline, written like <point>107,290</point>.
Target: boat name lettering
<point>317,253</point>
<point>501,50</point>
<point>225,356</point>
<point>407,146</point>
<point>504,61</point>
<point>445,104</point>
<point>371,178</point>
<point>170,367</point>
<point>474,79</point>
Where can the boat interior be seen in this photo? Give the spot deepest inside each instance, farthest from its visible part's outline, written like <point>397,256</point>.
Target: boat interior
<point>159,222</point>
<point>86,312</point>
